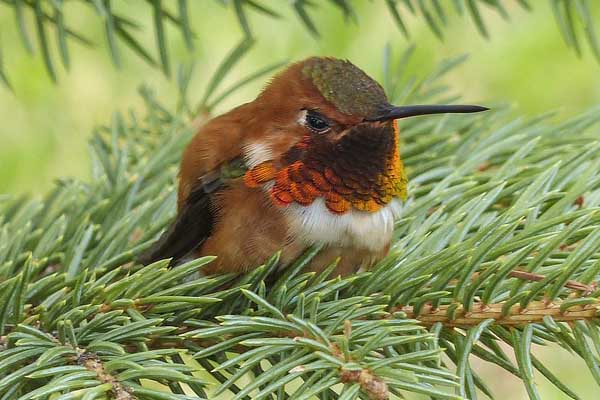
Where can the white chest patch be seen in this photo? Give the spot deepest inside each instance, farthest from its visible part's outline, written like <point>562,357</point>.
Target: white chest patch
<point>360,229</point>
<point>316,224</point>
<point>256,153</point>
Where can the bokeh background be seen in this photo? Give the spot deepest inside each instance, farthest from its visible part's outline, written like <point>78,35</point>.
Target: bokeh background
<point>525,63</point>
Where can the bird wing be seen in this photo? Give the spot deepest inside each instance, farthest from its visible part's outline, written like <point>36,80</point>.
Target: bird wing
<point>205,168</point>
<point>195,218</point>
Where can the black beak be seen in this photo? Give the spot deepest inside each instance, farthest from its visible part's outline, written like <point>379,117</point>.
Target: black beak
<point>392,112</point>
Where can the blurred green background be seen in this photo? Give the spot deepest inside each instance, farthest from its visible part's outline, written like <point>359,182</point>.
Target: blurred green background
<point>45,126</point>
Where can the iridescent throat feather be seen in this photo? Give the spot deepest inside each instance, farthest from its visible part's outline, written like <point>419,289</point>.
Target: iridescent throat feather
<point>362,170</point>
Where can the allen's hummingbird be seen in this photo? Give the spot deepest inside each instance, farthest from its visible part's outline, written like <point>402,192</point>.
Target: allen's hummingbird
<point>320,149</point>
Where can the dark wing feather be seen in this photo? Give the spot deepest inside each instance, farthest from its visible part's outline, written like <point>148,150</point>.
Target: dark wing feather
<point>189,230</point>
<point>195,219</point>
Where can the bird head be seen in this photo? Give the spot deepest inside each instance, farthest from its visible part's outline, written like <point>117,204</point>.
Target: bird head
<point>324,128</point>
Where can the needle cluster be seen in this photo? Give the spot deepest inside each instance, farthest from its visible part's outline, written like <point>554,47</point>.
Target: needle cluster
<point>488,195</point>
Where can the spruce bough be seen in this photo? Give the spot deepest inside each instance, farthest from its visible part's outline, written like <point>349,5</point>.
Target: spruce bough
<point>499,243</point>
<point>41,24</point>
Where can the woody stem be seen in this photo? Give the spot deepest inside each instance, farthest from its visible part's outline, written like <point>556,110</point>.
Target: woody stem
<point>530,276</point>
<point>503,315</point>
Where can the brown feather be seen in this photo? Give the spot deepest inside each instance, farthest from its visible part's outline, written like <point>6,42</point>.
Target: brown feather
<point>248,230</point>
<point>217,142</point>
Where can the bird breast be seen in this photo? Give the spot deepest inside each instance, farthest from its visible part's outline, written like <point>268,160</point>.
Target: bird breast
<point>316,224</point>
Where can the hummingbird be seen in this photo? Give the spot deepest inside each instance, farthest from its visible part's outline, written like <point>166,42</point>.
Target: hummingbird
<point>313,160</point>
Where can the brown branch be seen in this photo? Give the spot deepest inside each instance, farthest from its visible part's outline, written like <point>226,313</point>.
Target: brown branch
<point>93,363</point>
<point>374,386</point>
<point>531,276</point>
<point>534,313</point>
<point>571,284</point>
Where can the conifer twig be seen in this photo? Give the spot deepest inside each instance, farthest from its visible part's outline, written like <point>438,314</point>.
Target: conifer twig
<point>506,316</point>
<point>533,277</point>
<point>93,363</point>
<point>374,386</point>
<point>571,284</point>
<point>96,323</point>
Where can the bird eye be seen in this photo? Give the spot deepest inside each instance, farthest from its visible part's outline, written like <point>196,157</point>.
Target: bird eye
<point>316,122</point>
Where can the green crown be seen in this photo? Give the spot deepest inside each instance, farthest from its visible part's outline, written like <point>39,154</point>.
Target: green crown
<point>342,83</point>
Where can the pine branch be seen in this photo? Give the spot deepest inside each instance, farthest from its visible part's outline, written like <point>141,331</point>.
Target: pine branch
<point>582,309</point>
<point>586,289</point>
<point>93,363</point>
<point>574,20</point>
<point>504,214</point>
